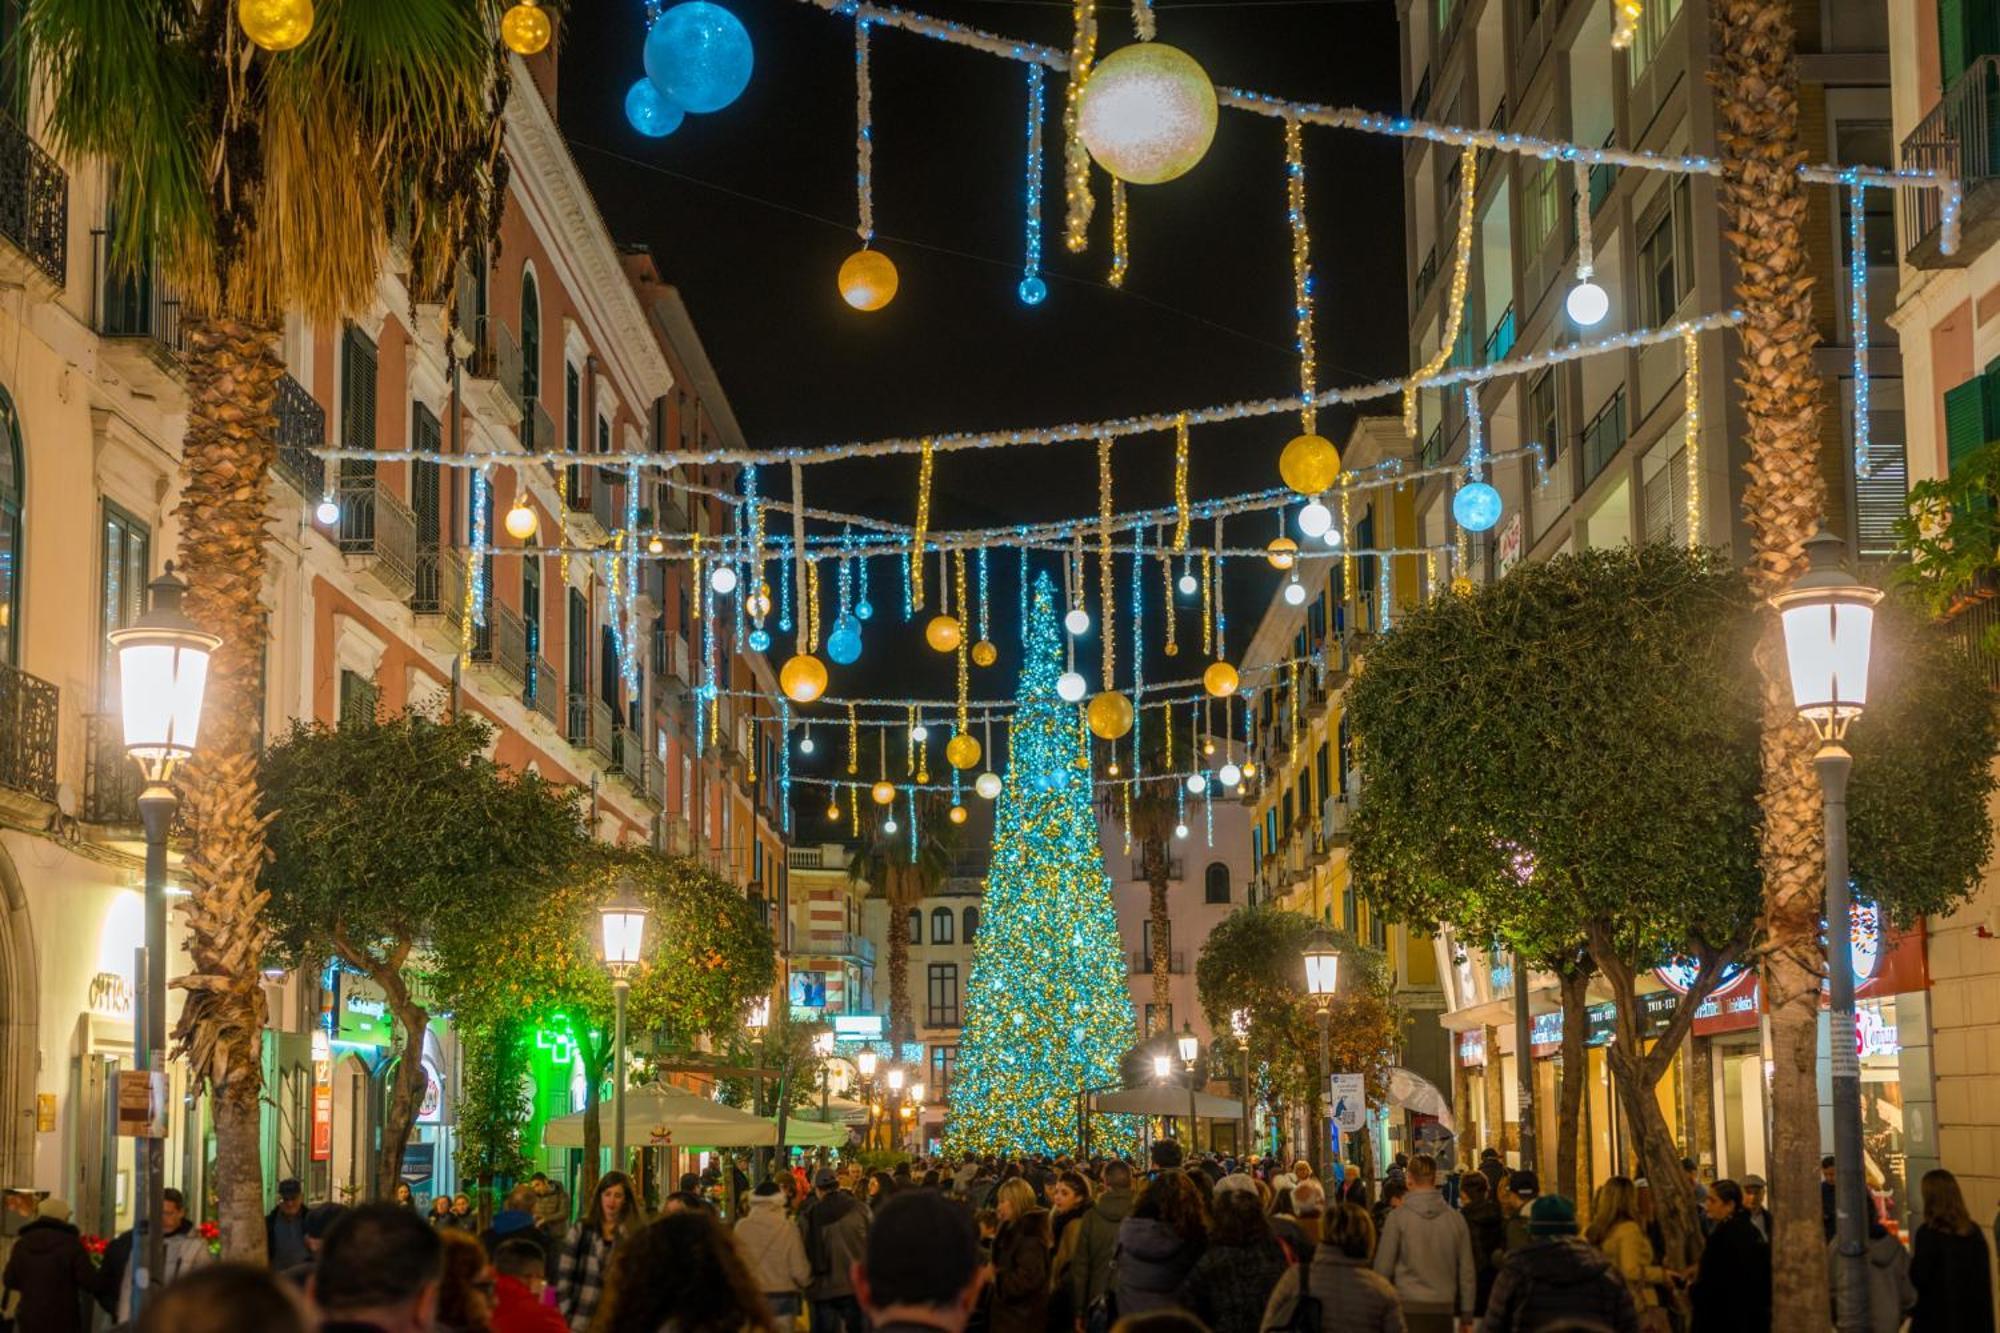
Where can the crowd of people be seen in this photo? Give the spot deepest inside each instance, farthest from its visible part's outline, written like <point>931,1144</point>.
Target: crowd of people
<point>986,1245</point>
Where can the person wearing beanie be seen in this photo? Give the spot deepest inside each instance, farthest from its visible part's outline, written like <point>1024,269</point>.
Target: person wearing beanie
<point>48,1272</point>
<point>1558,1278</point>
<point>834,1228</point>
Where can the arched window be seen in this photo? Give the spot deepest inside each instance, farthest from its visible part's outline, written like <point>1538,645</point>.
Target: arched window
<point>971,923</point>
<point>941,923</point>
<point>916,926</point>
<point>531,338</point>
<point>1215,883</point>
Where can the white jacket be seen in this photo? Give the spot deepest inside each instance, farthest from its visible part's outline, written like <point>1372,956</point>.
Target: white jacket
<point>772,1247</point>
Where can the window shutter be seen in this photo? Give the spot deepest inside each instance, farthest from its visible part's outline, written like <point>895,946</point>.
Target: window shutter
<point>1951,40</point>
<point>1964,420</point>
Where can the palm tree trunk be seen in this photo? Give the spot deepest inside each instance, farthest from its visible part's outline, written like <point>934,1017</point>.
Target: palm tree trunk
<point>1764,205</point>
<point>902,1027</point>
<point>233,371</point>
<point>1162,958</point>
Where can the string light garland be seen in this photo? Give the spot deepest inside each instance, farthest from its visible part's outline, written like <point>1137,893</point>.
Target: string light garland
<point>1302,283</point>
<point>1033,289</point>
<point>1691,408</point>
<point>1461,276</point>
<point>864,137</point>
<point>1170,612</point>
<point>1121,221</point>
<point>1857,321</point>
<point>1207,604</point>
<point>1104,585</point>
<point>1143,23</point>
<point>1076,158</point>
<point>915,579</point>
<point>807,640</point>
<point>1625,23</point>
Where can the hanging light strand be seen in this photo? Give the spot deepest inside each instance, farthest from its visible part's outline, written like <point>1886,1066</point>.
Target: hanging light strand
<point>1121,239</point>
<point>1586,249</point>
<point>1207,604</point>
<point>1691,435</point>
<point>1143,22</point>
<point>1181,519</point>
<point>1857,322</point>
<point>1461,277</point>
<point>1032,287</point>
<point>916,564</point>
<point>1168,606</point>
<point>1302,281</point>
<point>853,740</point>
<point>1105,596</point>
<point>799,561</point>
<point>1076,158</point>
<point>864,136</point>
<point>964,644</point>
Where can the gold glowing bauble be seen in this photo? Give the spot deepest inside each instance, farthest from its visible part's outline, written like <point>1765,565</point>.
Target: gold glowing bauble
<point>984,654</point>
<point>802,678</point>
<point>1219,680</point>
<point>759,603</point>
<point>1173,650</point>
<point>957,815</point>
<point>1309,464</point>
<point>525,29</point>
<point>1110,715</point>
<point>867,280</point>
<point>1249,769</point>
<point>944,633</point>
<point>1111,769</point>
<point>275,25</point>
<point>520,522</point>
<point>962,751</point>
<point>654,545</point>
<point>833,810</point>
<point>1147,113</point>
<point>883,792</point>
<point>1283,553</point>
<point>1461,585</point>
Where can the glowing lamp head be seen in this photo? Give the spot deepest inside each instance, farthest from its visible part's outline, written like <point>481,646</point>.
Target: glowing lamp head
<point>1110,715</point>
<point>1220,680</point>
<point>882,793</point>
<point>944,633</point>
<point>758,1016</point>
<point>1315,520</point>
<point>723,579</point>
<point>521,521</point>
<point>806,745</point>
<point>896,1079</point>
<point>1196,784</point>
<point>890,825</point>
<point>1309,464</point>
<point>803,678</point>
<point>832,811</point>
<point>987,785</point>
<point>1189,1045</point>
<point>865,1063</point>
<point>1188,585</point>
<point>920,733</point>
<point>1147,113</point>
<point>275,25</point>
<point>1230,775</point>
<point>525,29</point>
<point>1282,553</point>
<point>1163,1066</point>
<point>1071,687</point>
<point>655,544</point>
<point>1032,290</point>
<point>1333,539</point>
<point>1587,304</point>
<point>162,676</point>
<point>1322,966</point>
<point>822,1044</point>
<point>1476,506</point>
<point>1249,769</point>
<point>916,1092</point>
<point>1077,621</point>
<point>622,929</point>
<point>327,512</point>
<point>867,280</point>
<point>1239,1023</point>
<point>758,604</point>
<point>1829,623</point>
<point>1295,592</point>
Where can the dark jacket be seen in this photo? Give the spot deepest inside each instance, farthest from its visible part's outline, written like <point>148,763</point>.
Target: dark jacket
<point>285,1239</point>
<point>1292,1236</point>
<point>836,1236</point>
<point>1953,1289</point>
<point>1489,1240</point>
<point>1230,1285</point>
<point>514,1224</point>
<point>1559,1280</point>
<point>1020,1301</point>
<point>1496,1175</point>
<point>1732,1291</point>
<point>1090,1270</point>
<point>1353,1298</point>
<point>1153,1261</point>
<point>50,1269</point>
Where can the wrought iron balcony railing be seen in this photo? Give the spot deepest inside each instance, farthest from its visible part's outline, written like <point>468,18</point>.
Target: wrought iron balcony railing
<point>34,202</point>
<point>1960,138</point>
<point>133,301</point>
<point>377,525</point>
<point>440,584</point>
<point>111,781</point>
<point>301,429</point>
<point>29,709</point>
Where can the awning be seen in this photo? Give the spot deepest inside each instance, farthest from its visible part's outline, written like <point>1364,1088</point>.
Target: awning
<point>1414,1092</point>
<point>1159,1100</point>
<point>668,1117</point>
<point>801,1133</point>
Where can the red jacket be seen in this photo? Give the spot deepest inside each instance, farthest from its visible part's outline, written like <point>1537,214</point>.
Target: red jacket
<point>516,1310</point>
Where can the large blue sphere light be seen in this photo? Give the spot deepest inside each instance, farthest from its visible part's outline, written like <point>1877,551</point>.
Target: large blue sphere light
<point>698,55</point>
<point>651,114</point>
<point>1033,291</point>
<point>843,645</point>
<point>1476,506</point>
<point>865,609</point>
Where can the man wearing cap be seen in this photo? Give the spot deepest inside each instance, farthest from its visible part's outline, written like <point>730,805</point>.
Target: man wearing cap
<point>48,1273</point>
<point>1559,1279</point>
<point>1522,1188</point>
<point>835,1228</point>
<point>921,1272</point>
<point>285,1228</point>
<point>1753,1206</point>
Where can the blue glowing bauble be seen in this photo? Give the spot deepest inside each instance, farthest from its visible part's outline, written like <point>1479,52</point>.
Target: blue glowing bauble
<point>760,640</point>
<point>843,645</point>
<point>651,114</point>
<point>698,56</point>
<point>1033,291</point>
<point>1051,779</point>
<point>1476,506</point>
<point>864,609</point>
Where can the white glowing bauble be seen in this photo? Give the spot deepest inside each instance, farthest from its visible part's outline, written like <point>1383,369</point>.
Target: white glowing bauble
<point>1332,538</point>
<point>327,511</point>
<point>1072,686</point>
<point>1315,519</point>
<point>1147,113</point>
<point>1587,303</point>
<point>1197,783</point>
<point>1230,775</point>
<point>987,785</point>
<point>919,732</point>
<point>723,580</point>
<point>1295,593</point>
<point>1180,830</point>
<point>1187,585</point>
<point>1077,621</point>
<point>805,745</point>
<point>889,824</point>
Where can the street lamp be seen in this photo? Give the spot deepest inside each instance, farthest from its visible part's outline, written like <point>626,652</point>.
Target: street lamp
<point>916,1098</point>
<point>162,675</point>
<point>623,923</point>
<point>1322,982</point>
<point>1239,1027</point>
<point>823,1048</point>
<point>864,1063</point>
<point>1189,1047</point>
<point>895,1079</point>
<point>758,1020</point>
<point>1829,623</point>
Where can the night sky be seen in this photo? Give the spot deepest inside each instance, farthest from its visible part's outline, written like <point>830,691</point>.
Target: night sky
<point>749,211</point>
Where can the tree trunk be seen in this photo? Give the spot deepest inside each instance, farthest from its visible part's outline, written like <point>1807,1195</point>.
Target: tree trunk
<point>593,1119</point>
<point>1162,929</point>
<point>1575,984</point>
<point>233,371</point>
<point>902,1025</point>
<point>1764,204</point>
<point>406,1087</point>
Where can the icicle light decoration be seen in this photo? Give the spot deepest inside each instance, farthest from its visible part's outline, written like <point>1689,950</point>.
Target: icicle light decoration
<point>1076,158</point>
<point>1461,277</point>
<point>915,600</point>
<point>1302,282</point>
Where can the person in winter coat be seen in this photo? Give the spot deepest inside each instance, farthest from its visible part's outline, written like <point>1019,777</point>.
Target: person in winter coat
<point>1353,1297</point>
<point>1949,1268</point>
<point>682,1273</point>
<point>49,1272</point>
<point>1481,1212</point>
<point>1097,1238</point>
<point>1426,1252</point>
<point>586,1252</point>
<point>1557,1280</point>
<point>186,1251</point>
<point>515,1221</point>
<point>517,1291</point>
<point>1616,1231</point>
<point>1230,1285</point>
<point>835,1227</point>
<point>1020,1285</point>
<point>1069,1200</point>
<point>1731,1289</point>
<point>774,1250</point>
<point>285,1228</point>
<point>1158,1244</point>
<point>1891,1294</point>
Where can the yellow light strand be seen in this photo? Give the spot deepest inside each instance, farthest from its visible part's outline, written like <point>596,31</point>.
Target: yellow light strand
<point>465,620</point>
<point>1302,301</point>
<point>1104,594</point>
<point>1294,678</point>
<point>1181,519</point>
<point>1076,158</point>
<point>923,762</point>
<point>1461,276</point>
<point>812,605</point>
<point>1167,713</point>
<point>1167,578</point>
<point>1625,23</point>
<point>1127,820</point>
<point>1691,405</point>
<point>1121,234</point>
<point>964,642</point>
<point>697,584</point>
<point>1207,604</point>
<point>853,741</point>
<point>923,526</point>
<point>1346,546</point>
<point>562,560</point>
<point>910,744</point>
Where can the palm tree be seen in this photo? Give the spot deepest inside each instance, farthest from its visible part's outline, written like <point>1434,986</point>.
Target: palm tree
<point>885,865</point>
<point>262,183</point>
<point>1150,818</point>
<point>1764,205</point>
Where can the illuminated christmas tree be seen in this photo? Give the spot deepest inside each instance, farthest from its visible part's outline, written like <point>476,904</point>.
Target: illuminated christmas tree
<point>1047,1012</point>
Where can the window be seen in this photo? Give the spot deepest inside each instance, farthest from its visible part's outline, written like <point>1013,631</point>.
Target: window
<point>1544,418</point>
<point>1666,260</point>
<point>1146,940</point>
<point>1321,789</point>
<point>1664,490</point>
<point>916,926</point>
<point>357,697</point>
<point>971,923</point>
<point>1215,883</point>
<point>1651,35</point>
<point>943,1008</point>
<point>122,592</point>
<point>12,481</point>
<point>357,431</point>
<point>426,494</point>
<point>944,1064</point>
<point>531,619</point>
<point>531,339</point>
<point>941,925</point>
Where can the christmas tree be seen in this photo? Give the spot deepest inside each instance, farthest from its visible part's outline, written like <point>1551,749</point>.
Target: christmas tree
<point>1047,1013</point>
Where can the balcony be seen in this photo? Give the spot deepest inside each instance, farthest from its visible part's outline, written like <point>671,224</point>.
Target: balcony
<point>501,644</point>
<point>1141,963</point>
<point>576,720</point>
<point>1976,627</point>
<point>29,707</point>
<point>1603,437</point>
<point>378,534</point>
<point>437,599</point>
<point>538,430</point>
<point>34,208</point>
<point>301,430</point>
<point>1176,869</point>
<point>1427,275</point>
<point>1336,814</point>
<point>602,723</point>
<point>139,317</point>
<point>1500,341</point>
<point>1959,138</point>
<point>492,366</point>
<point>112,782</point>
<point>628,755</point>
<point>542,691</point>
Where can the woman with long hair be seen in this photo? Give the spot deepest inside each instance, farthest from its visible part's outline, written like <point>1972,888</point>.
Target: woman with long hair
<point>1231,1283</point>
<point>588,1248</point>
<point>1069,1200</point>
<point>465,1288</point>
<point>1949,1269</point>
<point>1615,1229</point>
<point>685,1273</point>
<point>881,1188</point>
<point>405,1199</point>
<point>1159,1243</point>
<point>1020,1261</point>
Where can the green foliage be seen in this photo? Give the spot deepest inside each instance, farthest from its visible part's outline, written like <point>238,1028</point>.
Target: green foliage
<point>492,1108</point>
<point>1947,535</point>
<point>784,1044</point>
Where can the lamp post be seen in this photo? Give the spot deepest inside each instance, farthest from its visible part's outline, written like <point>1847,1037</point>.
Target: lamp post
<point>1239,1027</point>
<point>758,1020</point>
<point>896,1078</point>
<point>865,1064</point>
<point>823,1048</point>
<point>1829,623</point>
<point>1322,981</point>
<point>162,675</point>
<point>1189,1047</point>
<point>623,920</point>
<point>917,1120</point>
